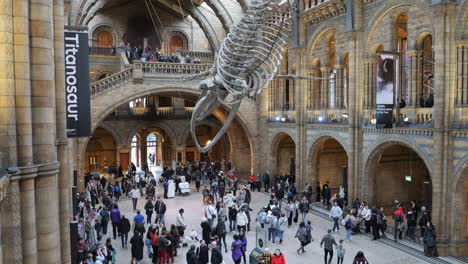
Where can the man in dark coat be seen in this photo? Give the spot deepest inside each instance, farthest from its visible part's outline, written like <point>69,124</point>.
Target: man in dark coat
<point>266,181</point>
<point>137,246</point>
<point>192,255</point>
<point>202,253</point>
<point>216,256</point>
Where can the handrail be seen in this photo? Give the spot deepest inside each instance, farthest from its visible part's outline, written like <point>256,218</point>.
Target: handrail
<point>111,81</point>
<point>204,56</point>
<point>171,69</point>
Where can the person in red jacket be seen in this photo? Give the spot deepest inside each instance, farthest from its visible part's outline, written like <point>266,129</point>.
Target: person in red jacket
<point>252,182</point>
<point>278,258</point>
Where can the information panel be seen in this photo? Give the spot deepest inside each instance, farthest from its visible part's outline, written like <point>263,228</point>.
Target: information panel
<point>77,93</point>
<point>385,90</point>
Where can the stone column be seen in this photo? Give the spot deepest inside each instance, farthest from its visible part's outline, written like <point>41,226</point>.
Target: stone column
<point>324,103</point>
<point>339,86</point>
<point>44,130</point>
<point>28,220</point>
<point>63,144</point>
<point>445,81</point>
<point>415,77</point>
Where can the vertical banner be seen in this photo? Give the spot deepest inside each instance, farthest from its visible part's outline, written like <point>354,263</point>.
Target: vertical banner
<point>77,93</point>
<point>385,90</point>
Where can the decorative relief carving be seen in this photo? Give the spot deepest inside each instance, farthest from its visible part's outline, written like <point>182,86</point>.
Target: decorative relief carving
<point>324,11</point>
<point>401,131</point>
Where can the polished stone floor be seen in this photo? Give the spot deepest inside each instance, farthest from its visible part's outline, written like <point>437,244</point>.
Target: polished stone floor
<point>376,253</point>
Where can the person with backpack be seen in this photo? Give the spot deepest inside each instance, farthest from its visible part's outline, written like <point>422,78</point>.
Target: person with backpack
<point>374,224</point>
<point>104,215</point>
<point>149,211</point>
<point>329,241</point>
<point>301,235</point>
<point>155,244</point>
<point>348,224</point>
<point>304,209</point>
<point>162,248</point>
<point>398,216</point>
<point>117,191</point>
<point>124,228</point>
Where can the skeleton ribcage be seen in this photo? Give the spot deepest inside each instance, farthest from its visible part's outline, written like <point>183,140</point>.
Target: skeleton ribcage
<point>251,53</point>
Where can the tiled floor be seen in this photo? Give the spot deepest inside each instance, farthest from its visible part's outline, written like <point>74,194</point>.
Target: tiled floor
<point>376,253</point>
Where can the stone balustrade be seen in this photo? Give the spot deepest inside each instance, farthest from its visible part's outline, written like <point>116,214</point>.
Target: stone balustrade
<point>170,70</point>
<point>282,116</point>
<point>201,55</point>
<point>122,77</point>
<point>327,116</point>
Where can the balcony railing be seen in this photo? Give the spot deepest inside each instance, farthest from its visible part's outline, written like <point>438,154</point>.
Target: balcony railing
<point>282,116</point>
<point>105,51</point>
<point>308,4</point>
<point>114,80</point>
<point>170,70</point>
<point>201,55</point>
<point>328,116</point>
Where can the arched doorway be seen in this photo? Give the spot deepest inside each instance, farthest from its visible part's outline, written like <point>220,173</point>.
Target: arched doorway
<point>101,153</point>
<point>219,152</point>
<point>176,43</point>
<point>284,154</point>
<point>397,172</point>
<point>135,151</point>
<point>329,165</point>
<point>104,39</point>
<point>460,214</point>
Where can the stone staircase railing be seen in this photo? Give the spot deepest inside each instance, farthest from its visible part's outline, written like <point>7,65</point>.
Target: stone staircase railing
<point>117,79</point>
<point>203,56</point>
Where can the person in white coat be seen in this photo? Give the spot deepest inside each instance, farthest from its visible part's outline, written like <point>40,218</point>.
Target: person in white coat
<point>241,220</point>
<point>282,226</point>
<point>366,215</point>
<point>229,199</point>
<point>336,213</point>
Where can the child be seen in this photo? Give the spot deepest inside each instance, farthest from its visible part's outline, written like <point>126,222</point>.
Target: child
<point>340,252</point>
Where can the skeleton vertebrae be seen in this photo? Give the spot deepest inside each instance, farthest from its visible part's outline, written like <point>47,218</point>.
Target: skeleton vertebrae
<point>246,62</point>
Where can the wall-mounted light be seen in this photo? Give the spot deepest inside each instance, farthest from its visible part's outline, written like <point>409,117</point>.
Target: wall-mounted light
<point>283,119</point>
<point>320,119</point>
<point>406,119</point>
<point>278,118</point>
<point>373,121</point>
<point>345,115</point>
<point>208,142</point>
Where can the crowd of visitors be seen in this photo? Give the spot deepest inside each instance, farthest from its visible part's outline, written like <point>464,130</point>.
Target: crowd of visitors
<point>148,54</point>
<point>226,201</point>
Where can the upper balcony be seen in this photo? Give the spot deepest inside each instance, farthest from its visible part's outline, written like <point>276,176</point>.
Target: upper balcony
<point>316,11</point>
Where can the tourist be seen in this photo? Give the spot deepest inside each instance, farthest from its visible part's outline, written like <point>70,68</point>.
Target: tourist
<point>216,255</point>
<point>173,238</point>
<point>241,220</point>
<point>304,208</point>
<point>336,213</point>
<point>221,233</point>
<point>124,228</point>
<point>117,191</point>
<point>266,181</point>
<point>139,223</point>
<point>265,257</point>
<point>289,211</point>
<point>149,248</point>
<point>272,226</point>
<point>425,218</point>
<point>398,216</point>
<point>411,223</point>
<point>202,253</point>
<point>162,248</point>
<point>222,214</point>
<point>301,235</point>
<point>149,207</point>
<point>374,224</point>
<point>326,195</point>
<point>243,238</point>
<point>429,239</point>
<point>340,252</point>
<point>348,224</point>
<point>180,222</point>
<point>236,250</point>
<point>366,215</point>
<point>161,211</point>
<point>166,188</point>
<point>329,241</point>
<point>232,217</point>
<point>135,195</point>
<point>111,252</point>
<point>155,243</point>
<point>137,246</point>
<point>360,259</point>
<point>278,258</point>
<point>282,226</point>
<point>206,229</point>
<point>381,222</point>
<point>210,214</point>
<point>309,232</point>
<point>104,215</point>
<point>191,256</point>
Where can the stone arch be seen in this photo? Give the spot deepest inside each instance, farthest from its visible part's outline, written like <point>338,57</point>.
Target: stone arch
<point>275,145</point>
<point>371,156</point>
<point>390,6</point>
<point>170,132</point>
<point>102,73</point>
<point>115,134</point>
<point>461,28</point>
<point>327,28</point>
<point>103,28</point>
<point>314,146</point>
<point>184,37</point>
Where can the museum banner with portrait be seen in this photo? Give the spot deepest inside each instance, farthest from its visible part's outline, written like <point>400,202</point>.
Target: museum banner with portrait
<point>385,96</point>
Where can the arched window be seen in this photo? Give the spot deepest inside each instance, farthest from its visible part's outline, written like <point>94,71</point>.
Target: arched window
<point>135,151</point>
<point>176,43</point>
<point>332,74</point>
<point>151,149</point>
<point>427,90</point>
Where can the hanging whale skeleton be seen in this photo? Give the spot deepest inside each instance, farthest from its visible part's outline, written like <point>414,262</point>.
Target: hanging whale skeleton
<point>246,62</point>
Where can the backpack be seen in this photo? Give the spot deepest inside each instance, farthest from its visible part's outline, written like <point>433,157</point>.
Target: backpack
<point>105,216</point>
<point>117,189</point>
<point>349,224</point>
<point>154,241</point>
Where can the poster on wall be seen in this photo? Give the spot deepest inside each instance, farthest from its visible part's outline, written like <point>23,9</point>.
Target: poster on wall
<point>77,93</point>
<point>385,90</point>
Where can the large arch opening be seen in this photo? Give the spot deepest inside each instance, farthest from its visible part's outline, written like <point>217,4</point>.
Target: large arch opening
<point>101,153</point>
<point>397,172</point>
<point>284,154</point>
<point>460,213</point>
<point>151,147</point>
<point>329,165</point>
